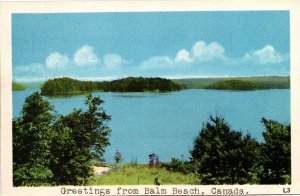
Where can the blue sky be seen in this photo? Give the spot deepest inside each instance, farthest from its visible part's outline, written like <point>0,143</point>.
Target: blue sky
<point>98,46</point>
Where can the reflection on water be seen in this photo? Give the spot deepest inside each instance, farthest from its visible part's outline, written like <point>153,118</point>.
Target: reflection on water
<point>69,95</point>
<point>139,95</point>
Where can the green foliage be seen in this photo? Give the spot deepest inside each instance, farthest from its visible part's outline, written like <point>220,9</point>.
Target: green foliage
<point>65,86</point>
<point>144,175</point>
<point>195,83</point>
<point>276,152</point>
<point>84,136</point>
<point>57,150</point>
<point>68,86</point>
<point>32,140</point>
<point>118,157</point>
<point>18,87</point>
<point>223,156</point>
<point>234,85</point>
<point>177,165</point>
<point>133,84</point>
<point>268,82</point>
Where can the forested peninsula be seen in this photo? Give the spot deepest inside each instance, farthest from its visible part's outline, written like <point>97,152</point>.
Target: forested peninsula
<point>65,85</point>
<point>236,83</point>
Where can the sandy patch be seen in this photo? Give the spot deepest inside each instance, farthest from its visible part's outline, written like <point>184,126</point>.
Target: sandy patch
<point>101,170</point>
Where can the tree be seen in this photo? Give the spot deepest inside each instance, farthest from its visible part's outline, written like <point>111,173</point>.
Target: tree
<point>32,140</point>
<point>276,152</point>
<point>219,156</point>
<point>251,164</point>
<point>118,157</point>
<point>81,136</point>
<point>57,150</point>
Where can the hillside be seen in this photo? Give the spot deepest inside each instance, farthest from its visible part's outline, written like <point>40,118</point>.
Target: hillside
<point>236,83</point>
<point>18,87</point>
<point>142,174</point>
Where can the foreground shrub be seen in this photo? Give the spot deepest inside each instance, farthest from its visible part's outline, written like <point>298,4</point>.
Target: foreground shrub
<point>219,154</point>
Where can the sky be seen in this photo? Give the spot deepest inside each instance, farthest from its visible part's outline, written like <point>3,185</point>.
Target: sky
<point>111,45</point>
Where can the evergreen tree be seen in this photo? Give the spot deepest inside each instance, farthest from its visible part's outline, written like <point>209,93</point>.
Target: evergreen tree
<point>276,152</point>
<point>118,157</point>
<point>32,140</point>
<point>219,155</point>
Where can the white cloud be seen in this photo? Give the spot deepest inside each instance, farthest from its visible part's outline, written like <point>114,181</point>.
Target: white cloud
<point>265,55</point>
<point>113,61</point>
<point>157,62</point>
<point>86,56</point>
<point>201,59</point>
<point>207,52</point>
<point>56,60</point>
<point>183,56</point>
<point>199,53</point>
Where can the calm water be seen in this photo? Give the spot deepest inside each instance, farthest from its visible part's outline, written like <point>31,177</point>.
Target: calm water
<point>167,123</point>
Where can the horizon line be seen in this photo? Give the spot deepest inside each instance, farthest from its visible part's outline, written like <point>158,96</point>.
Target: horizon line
<point>98,79</point>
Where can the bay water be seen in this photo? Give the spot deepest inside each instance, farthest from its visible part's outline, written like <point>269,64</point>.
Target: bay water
<point>167,123</point>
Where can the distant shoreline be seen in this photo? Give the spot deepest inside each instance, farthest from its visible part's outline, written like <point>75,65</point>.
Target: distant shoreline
<point>237,83</point>
<point>215,83</point>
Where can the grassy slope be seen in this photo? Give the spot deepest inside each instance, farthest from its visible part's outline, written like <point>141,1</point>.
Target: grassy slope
<point>270,82</point>
<point>142,174</point>
<point>18,87</point>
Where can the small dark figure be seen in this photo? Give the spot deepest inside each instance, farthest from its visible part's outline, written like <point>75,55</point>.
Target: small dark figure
<point>153,159</point>
<point>118,157</point>
<point>156,181</point>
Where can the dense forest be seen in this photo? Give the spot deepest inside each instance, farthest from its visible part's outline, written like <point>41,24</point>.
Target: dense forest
<point>61,86</point>
<point>53,149</point>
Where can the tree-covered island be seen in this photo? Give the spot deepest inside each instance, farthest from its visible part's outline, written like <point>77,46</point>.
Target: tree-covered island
<point>65,85</point>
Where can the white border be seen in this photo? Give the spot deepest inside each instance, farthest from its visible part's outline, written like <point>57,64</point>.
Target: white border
<point>7,8</point>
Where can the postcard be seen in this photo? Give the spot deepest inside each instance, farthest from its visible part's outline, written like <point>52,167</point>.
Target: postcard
<point>150,97</point>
